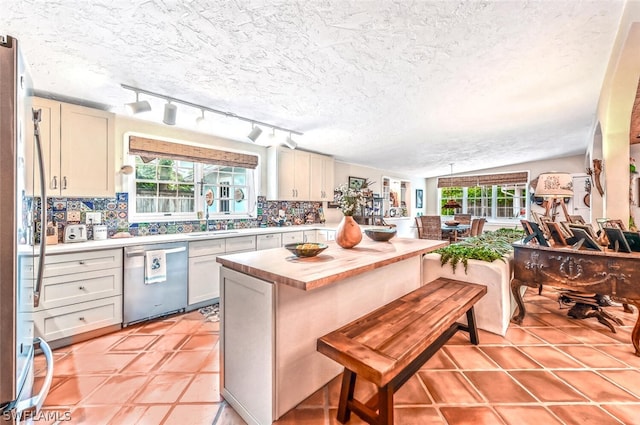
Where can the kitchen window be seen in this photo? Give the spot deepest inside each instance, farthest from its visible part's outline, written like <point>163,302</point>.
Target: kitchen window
<point>498,197</point>
<point>174,181</point>
<point>172,189</point>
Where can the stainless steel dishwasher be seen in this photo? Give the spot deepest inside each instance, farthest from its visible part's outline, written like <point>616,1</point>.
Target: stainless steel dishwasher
<point>145,301</point>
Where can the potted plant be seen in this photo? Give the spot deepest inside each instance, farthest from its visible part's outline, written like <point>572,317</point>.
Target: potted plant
<point>486,260</point>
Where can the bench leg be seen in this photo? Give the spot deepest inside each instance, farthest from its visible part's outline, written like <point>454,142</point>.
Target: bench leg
<point>346,395</point>
<point>473,330</point>
<point>385,405</point>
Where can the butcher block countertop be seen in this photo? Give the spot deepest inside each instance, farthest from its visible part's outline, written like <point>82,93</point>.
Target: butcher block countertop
<point>278,265</point>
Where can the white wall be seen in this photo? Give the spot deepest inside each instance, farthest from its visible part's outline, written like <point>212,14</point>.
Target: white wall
<point>343,170</point>
<point>124,124</point>
<point>571,164</point>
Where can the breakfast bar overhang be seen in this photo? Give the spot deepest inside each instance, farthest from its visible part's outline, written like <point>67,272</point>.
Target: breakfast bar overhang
<point>274,306</point>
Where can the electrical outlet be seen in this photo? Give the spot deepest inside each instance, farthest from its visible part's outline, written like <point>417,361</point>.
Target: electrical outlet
<point>93,218</point>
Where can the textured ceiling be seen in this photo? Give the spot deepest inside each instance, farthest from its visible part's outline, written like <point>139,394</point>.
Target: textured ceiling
<point>410,86</point>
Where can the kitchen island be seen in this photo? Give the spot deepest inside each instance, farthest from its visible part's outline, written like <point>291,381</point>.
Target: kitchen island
<point>274,306</point>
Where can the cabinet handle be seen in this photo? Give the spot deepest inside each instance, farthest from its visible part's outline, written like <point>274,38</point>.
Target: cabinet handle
<point>81,288</point>
<point>64,183</point>
<point>81,262</point>
<point>81,318</point>
<point>54,182</point>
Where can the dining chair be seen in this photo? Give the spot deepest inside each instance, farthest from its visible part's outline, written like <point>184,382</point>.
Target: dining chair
<point>463,219</point>
<point>420,229</point>
<point>477,224</point>
<point>431,227</point>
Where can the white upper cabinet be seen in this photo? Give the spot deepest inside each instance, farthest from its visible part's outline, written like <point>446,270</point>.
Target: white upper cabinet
<point>298,175</point>
<point>321,178</point>
<point>288,174</point>
<point>78,148</point>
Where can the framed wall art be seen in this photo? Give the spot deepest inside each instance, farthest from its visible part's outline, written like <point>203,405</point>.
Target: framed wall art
<point>356,182</point>
<point>418,198</point>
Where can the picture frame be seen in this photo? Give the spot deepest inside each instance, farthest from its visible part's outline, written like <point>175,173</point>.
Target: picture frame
<point>557,234</point>
<point>617,240</point>
<point>584,239</point>
<point>586,227</point>
<point>533,231</point>
<point>356,182</point>
<point>633,239</point>
<point>419,198</point>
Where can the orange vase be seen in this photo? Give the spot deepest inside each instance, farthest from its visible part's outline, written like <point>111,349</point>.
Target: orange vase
<point>348,233</point>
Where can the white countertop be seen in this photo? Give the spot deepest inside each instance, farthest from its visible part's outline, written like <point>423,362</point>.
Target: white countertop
<point>181,237</point>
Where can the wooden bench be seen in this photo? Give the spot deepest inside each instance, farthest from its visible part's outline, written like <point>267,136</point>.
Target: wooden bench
<point>388,345</point>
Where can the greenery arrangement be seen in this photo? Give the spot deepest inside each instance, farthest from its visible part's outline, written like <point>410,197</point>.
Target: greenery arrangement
<point>350,198</point>
<point>490,246</point>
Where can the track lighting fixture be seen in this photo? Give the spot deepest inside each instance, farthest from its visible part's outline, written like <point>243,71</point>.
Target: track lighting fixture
<point>201,119</point>
<point>138,106</point>
<point>255,132</point>
<point>291,144</point>
<point>170,112</point>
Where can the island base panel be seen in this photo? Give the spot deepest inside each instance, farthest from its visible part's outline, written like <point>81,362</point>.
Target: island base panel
<point>300,318</point>
<point>247,345</point>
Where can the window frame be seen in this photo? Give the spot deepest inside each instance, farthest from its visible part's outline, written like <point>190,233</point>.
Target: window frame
<point>251,188</point>
<point>493,198</point>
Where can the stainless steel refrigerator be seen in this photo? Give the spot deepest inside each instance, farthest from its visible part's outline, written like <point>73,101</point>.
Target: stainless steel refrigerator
<point>19,283</point>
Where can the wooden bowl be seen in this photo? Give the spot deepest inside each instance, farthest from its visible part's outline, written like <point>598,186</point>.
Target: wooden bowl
<point>380,235</point>
<point>306,249</point>
<point>451,223</point>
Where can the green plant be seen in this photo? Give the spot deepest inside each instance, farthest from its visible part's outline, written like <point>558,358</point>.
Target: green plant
<point>490,246</point>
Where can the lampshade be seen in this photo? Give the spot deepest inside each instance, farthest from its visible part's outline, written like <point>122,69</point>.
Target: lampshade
<point>554,185</point>
<point>138,106</point>
<point>452,204</point>
<point>170,111</point>
<point>255,133</point>
<point>290,142</point>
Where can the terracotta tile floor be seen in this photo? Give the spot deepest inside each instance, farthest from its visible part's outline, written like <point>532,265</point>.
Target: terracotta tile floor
<point>550,370</point>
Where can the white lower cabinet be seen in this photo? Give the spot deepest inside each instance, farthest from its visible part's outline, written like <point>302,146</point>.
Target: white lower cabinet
<point>272,240</point>
<point>80,292</point>
<point>204,270</point>
<point>292,237</point>
<point>325,235</point>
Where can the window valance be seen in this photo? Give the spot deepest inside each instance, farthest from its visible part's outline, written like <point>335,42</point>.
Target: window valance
<point>484,180</point>
<point>159,148</point>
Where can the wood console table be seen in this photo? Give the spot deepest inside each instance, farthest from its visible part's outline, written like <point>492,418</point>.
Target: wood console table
<point>611,273</point>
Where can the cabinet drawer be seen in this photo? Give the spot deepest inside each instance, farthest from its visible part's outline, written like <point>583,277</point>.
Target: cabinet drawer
<point>64,290</point>
<point>243,243</point>
<point>272,240</point>
<point>208,247</point>
<point>292,237</point>
<point>59,291</point>
<point>56,323</point>
<point>61,264</point>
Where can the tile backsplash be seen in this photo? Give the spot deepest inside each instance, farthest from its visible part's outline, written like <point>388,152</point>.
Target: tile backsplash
<point>114,212</point>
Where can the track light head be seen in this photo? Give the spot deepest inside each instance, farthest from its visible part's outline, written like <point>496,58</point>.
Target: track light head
<point>137,107</point>
<point>255,133</point>
<point>291,144</point>
<point>200,121</point>
<point>170,112</point>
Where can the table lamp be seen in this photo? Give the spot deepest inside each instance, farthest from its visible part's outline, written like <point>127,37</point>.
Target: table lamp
<point>554,187</point>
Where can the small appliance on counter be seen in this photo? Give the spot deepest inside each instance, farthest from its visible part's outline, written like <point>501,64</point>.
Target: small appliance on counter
<point>75,233</point>
<point>99,232</point>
